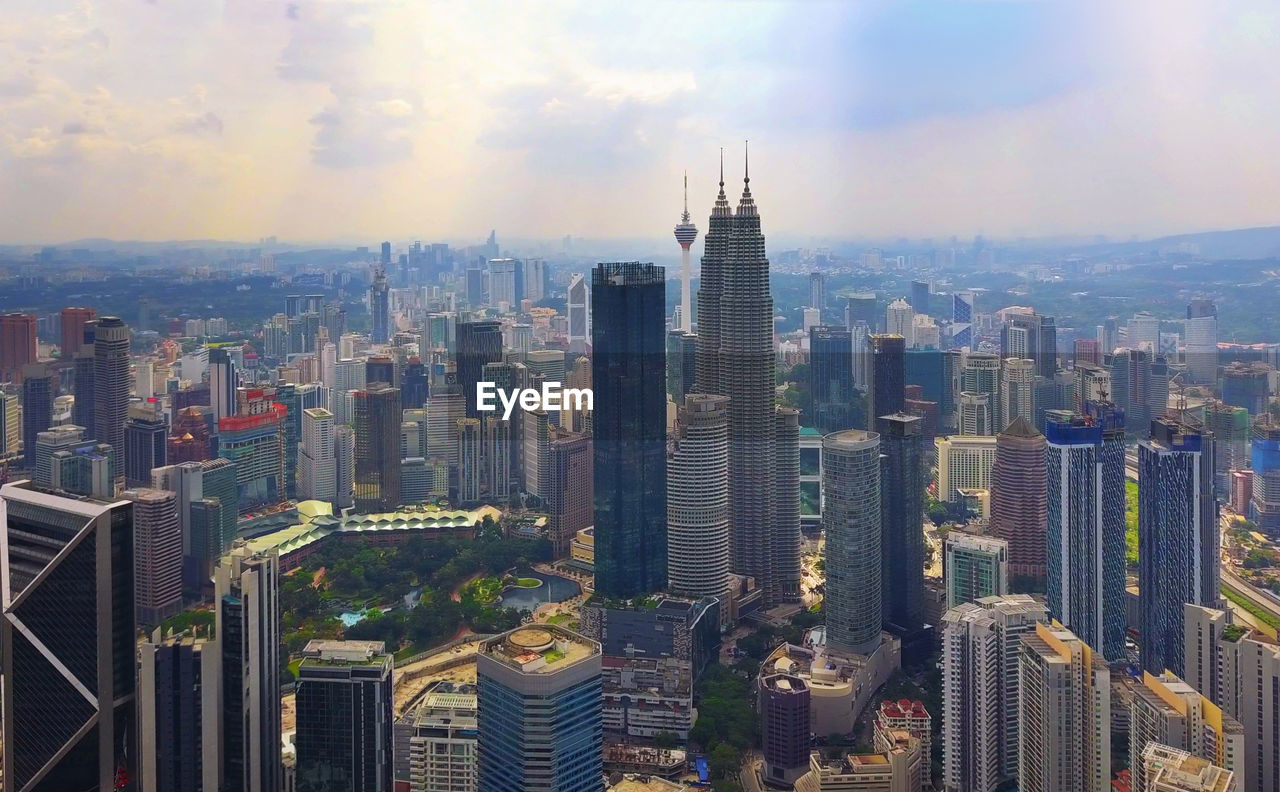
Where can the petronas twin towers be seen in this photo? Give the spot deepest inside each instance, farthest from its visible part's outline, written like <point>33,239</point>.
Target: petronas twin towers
<point>736,359</point>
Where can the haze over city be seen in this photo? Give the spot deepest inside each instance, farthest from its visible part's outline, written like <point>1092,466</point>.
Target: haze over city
<point>325,121</point>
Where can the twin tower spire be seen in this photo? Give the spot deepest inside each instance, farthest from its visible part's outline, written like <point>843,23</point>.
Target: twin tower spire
<point>746,202</point>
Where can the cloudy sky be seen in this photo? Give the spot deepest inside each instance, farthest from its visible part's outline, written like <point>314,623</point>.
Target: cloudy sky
<point>317,119</point>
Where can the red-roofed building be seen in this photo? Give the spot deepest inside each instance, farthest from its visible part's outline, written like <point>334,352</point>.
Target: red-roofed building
<point>910,716</point>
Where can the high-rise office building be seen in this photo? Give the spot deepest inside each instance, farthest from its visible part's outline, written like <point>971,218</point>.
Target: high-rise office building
<point>851,521</point>
<point>207,514</point>
<point>223,381</point>
<point>17,344</point>
<point>380,306</point>
<point>977,414</point>
<point>344,460</point>
<point>1167,711</point>
<point>1019,502</point>
<point>377,462</point>
<point>344,716</point>
<point>962,316</point>
<point>900,320</point>
<point>1064,714</point>
<point>111,384</point>
<point>73,322</point>
<point>179,738</point>
<point>247,623</point>
<point>37,408</point>
<point>88,469</point>
<point>1085,532</point>
<point>539,711</point>
<point>1247,385</point>
<point>629,426</point>
<point>569,492</point>
<point>10,424</point>
<point>736,359</point>
<point>886,390</point>
<point>68,638</point>
<point>831,378</point>
<point>785,541</point>
<point>317,467</point>
<point>1264,500</point>
<point>1131,388</point>
<point>478,343</point>
<point>146,443</point>
<point>711,284</point>
<point>817,290</point>
<point>682,362</point>
<point>158,552</point>
<point>964,463</point>
<point>1166,769</point>
<point>698,499</point>
<point>902,520</point>
<point>1231,433</point>
<point>1202,341</point>
<point>1086,350</point>
<point>1017,395</point>
<point>783,704</point>
<point>470,460</point>
<point>920,297</point>
<point>1239,670</point>
<point>980,656</point>
<point>253,439</point>
<point>1030,335</point>
<point>502,282</point>
<point>578,306</point>
<point>1177,538</point>
<point>974,567</point>
<point>84,409</point>
<point>1143,332</point>
<point>980,374</point>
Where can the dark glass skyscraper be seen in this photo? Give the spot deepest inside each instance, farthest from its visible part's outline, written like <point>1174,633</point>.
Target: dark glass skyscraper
<point>1177,538</point>
<point>146,444</point>
<point>902,520</point>
<point>886,390</point>
<point>920,297</point>
<point>37,408</point>
<point>377,430</point>
<point>1085,531</point>
<point>344,716</point>
<point>629,421</point>
<point>69,639</point>
<point>831,378</point>
<point>682,363</point>
<point>413,385</point>
<point>478,343</point>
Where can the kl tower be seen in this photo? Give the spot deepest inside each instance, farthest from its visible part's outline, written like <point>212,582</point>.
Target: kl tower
<point>686,232</point>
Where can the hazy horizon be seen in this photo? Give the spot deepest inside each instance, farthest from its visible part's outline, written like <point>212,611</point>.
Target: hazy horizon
<point>363,120</point>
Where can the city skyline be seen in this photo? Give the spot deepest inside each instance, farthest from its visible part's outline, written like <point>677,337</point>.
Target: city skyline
<point>1147,123</point>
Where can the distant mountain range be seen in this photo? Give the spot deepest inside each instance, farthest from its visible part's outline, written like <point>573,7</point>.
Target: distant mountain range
<point>1241,243</point>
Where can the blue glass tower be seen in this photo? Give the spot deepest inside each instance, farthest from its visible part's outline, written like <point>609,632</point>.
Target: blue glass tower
<point>831,378</point>
<point>1177,538</point>
<point>628,371</point>
<point>1085,531</point>
<point>540,711</point>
